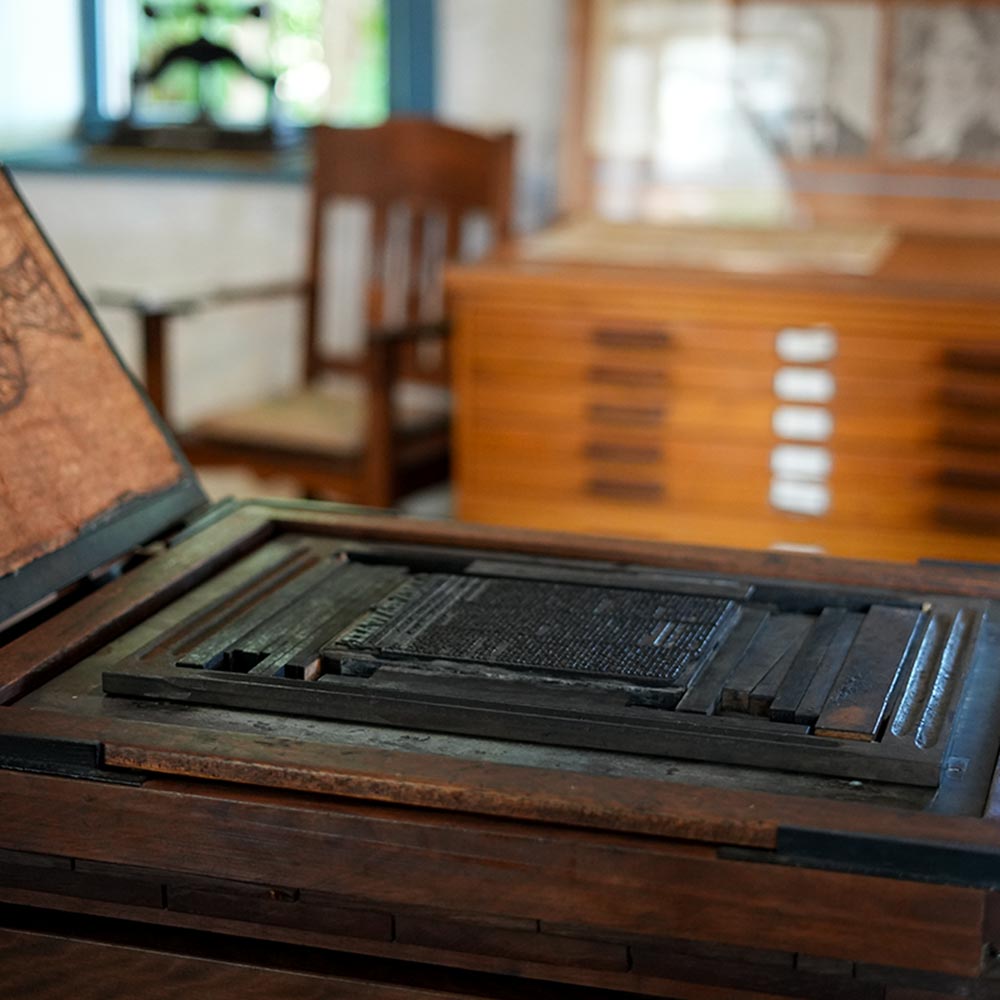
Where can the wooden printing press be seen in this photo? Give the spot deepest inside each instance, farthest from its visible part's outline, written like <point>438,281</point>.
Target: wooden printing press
<point>270,749</point>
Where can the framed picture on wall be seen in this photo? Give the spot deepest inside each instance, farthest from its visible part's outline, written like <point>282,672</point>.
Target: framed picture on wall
<point>807,75</point>
<point>945,84</point>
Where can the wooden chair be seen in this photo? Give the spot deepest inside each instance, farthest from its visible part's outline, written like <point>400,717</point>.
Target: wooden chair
<point>352,431</point>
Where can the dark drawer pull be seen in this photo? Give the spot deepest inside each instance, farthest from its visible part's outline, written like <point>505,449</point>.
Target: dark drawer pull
<point>969,479</point>
<point>965,397</point>
<point>624,489</point>
<point>608,336</point>
<point>606,451</point>
<point>974,359</point>
<point>632,377</point>
<point>644,416</point>
<point>973,437</point>
<point>966,517</point>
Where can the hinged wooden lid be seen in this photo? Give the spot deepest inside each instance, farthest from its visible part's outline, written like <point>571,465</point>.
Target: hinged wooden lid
<point>87,469</point>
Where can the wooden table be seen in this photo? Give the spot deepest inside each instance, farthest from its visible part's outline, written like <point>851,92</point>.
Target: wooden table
<point>165,848</point>
<point>854,412</point>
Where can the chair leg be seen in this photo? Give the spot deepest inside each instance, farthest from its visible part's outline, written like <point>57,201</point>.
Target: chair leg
<point>379,474</point>
<point>154,333</point>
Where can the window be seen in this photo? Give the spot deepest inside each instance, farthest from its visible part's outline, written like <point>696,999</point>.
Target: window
<point>236,66</point>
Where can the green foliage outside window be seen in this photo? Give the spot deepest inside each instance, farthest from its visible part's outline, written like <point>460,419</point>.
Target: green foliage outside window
<point>329,59</point>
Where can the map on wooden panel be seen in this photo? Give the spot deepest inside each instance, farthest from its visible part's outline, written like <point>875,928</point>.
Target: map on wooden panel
<point>76,440</point>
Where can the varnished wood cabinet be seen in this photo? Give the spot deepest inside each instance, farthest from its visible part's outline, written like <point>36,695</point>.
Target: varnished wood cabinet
<point>857,415</point>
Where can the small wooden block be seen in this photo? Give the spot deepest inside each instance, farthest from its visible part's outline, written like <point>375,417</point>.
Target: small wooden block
<point>762,696</point>
<point>780,637</point>
<point>111,888</point>
<point>704,693</point>
<point>803,669</point>
<point>860,695</point>
<point>840,628</point>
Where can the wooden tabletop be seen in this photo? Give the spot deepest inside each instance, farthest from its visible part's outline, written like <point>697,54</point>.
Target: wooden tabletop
<point>914,264</point>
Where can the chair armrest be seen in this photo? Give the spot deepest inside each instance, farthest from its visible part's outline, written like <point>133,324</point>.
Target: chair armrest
<point>155,315</point>
<point>185,305</point>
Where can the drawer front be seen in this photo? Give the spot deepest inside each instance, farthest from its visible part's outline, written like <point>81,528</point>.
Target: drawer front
<point>901,542</point>
<point>709,415</point>
<point>865,427</point>
<point>704,485</point>
<point>869,388</point>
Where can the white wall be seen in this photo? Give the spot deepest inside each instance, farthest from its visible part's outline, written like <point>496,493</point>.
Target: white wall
<point>168,236</point>
<point>41,71</point>
<point>502,65</point>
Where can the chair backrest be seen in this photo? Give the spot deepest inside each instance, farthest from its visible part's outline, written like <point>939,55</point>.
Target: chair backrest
<point>422,182</point>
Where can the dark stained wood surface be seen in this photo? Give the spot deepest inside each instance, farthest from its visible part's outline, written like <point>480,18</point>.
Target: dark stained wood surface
<point>952,578</point>
<point>335,837</point>
<point>98,618</point>
<point>404,857</point>
<point>705,967</point>
<point>413,778</point>
<point>37,966</point>
<point>706,690</point>
<point>677,811</point>
<point>781,636</point>
<point>858,700</point>
<point>803,691</point>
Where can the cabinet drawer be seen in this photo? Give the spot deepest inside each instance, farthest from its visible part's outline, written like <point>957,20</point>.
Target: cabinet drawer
<point>868,354</point>
<point>557,337</point>
<point>844,381</point>
<point>696,414</point>
<point>865,470</point>
<point>711,488</point>
<point>943,487</point>
<point>902,542</point>
<point>669,410</point>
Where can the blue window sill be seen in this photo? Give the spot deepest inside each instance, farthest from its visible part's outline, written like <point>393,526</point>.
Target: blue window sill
<point>282,166</point>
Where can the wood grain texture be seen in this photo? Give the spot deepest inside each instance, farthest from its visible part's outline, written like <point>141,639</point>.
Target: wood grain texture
<point>969,580</point>
<point>902,416</point>
<point>473,853</point>
<point>700,963</point>
<point>679,810</point>
<point>859,699</point>
<point>28,660</point>
<point>394,857</point>
<point>46,967</point>
<point>803,691</point>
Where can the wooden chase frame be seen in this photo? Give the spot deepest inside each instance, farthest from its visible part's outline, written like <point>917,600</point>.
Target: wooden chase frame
<point>575,868</point>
